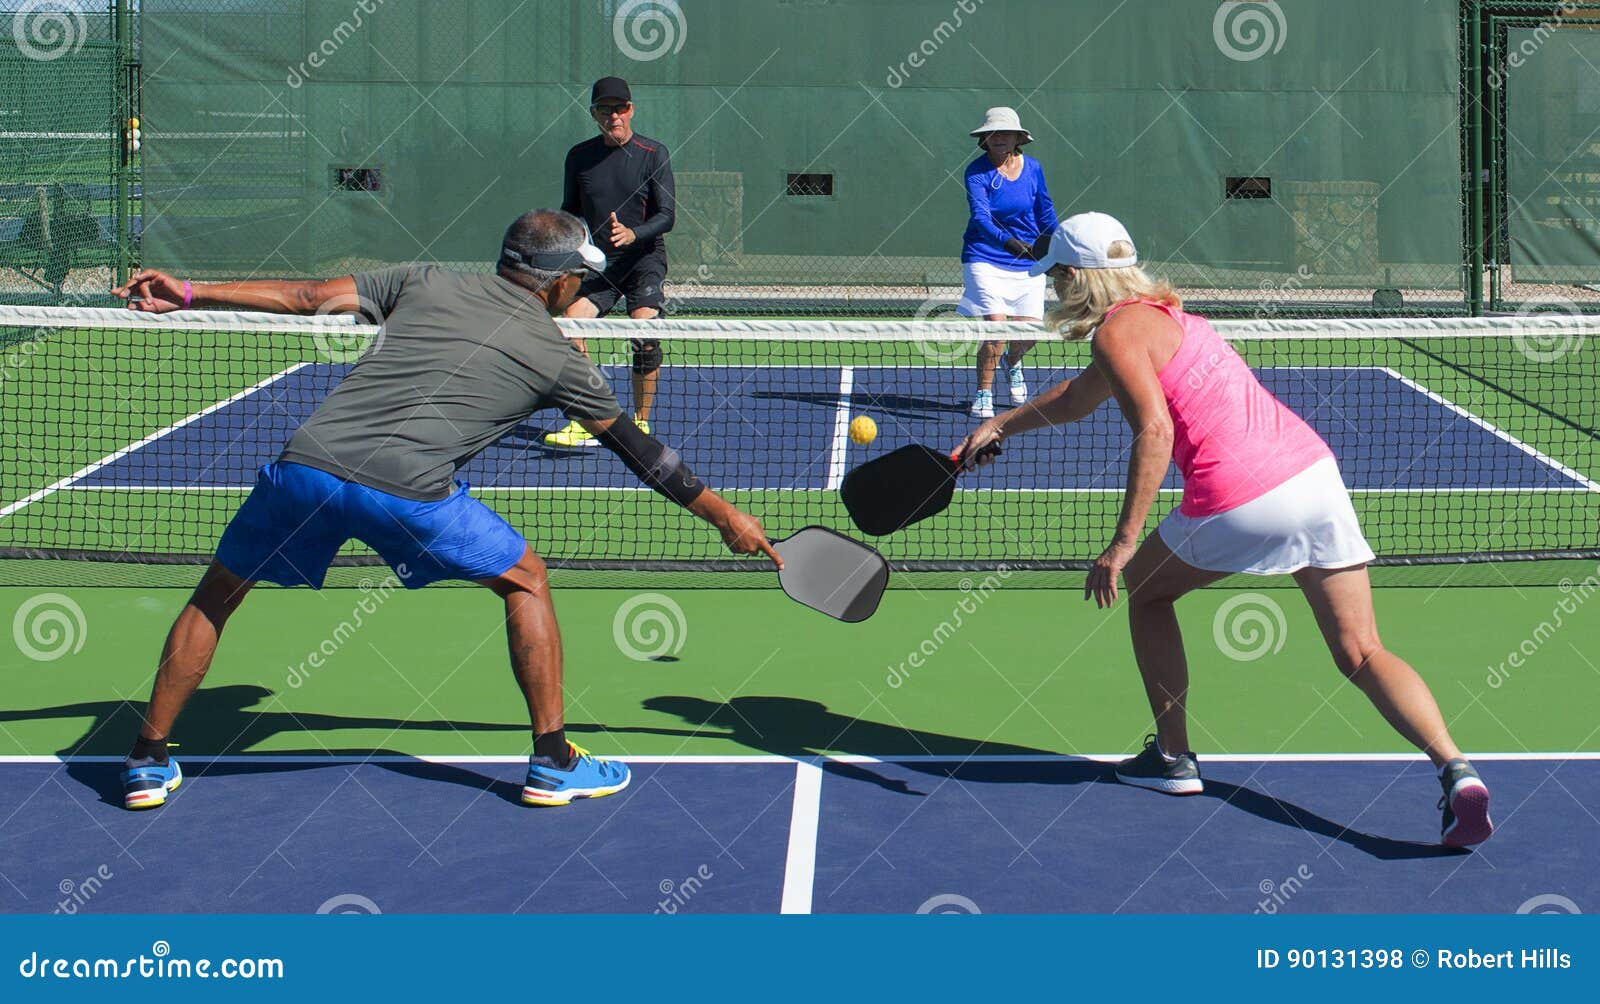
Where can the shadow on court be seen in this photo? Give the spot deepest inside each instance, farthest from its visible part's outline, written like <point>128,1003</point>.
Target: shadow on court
<point>895,405</point>
<point>228,720</point>
<point>792,727</point>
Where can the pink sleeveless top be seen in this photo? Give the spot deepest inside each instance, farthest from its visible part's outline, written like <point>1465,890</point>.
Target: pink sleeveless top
<point>1232,440</point>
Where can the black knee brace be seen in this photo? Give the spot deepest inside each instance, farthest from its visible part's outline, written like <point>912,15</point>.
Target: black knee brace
<point>646,356</point>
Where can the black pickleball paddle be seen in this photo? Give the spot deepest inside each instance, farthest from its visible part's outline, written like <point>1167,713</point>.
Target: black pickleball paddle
<point>898,489</point>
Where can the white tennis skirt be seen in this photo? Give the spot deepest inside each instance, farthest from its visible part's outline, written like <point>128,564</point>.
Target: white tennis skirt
<point>1306,522</point>
<point>989,289</point>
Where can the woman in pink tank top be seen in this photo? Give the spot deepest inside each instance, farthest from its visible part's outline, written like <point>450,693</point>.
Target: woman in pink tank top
<point>1261,495</point>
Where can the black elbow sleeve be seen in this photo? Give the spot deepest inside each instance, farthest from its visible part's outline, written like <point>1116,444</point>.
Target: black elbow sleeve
<point>658,466</point>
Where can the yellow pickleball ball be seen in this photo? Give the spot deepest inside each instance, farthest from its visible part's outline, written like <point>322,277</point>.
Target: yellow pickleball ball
<point>133,123</point>
<point>863,430</point>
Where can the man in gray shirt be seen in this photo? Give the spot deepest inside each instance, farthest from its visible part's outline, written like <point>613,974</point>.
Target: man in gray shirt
<point>460,362</point>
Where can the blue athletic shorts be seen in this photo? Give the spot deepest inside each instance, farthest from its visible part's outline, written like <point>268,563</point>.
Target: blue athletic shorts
<point>298,517</point>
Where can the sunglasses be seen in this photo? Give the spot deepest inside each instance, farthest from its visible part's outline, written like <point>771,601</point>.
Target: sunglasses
<point>606,111</point>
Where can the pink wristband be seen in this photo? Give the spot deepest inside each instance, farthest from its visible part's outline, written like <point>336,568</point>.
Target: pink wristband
<point>188,294</point>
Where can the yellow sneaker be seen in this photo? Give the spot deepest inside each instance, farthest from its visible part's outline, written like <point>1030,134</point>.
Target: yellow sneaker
<point>643,424</point>
<point>573,437</point>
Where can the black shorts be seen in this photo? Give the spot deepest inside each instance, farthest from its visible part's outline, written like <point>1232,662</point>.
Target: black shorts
<point>640,280</point>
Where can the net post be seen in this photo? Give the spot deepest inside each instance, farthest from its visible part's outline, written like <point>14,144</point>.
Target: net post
<point>1472,122</point>
<point>123,164</point>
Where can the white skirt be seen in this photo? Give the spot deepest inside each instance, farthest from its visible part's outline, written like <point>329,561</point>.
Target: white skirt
<point>1307,521</point>
<point>990,289</point>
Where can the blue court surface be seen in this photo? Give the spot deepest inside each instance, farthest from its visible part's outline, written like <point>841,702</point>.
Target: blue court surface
<point>783,427</point>
<point>769,834</point>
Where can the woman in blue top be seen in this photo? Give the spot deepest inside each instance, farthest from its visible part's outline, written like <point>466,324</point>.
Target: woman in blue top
<point>1010,208</point>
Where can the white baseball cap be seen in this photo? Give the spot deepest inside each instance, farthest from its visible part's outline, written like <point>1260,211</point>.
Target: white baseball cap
<point>1084,241</point>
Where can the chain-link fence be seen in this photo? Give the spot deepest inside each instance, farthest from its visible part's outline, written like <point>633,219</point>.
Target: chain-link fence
<point>1541,97</point>
<point>1271,158</point>
<point>1262,153</point>
<point>64,217</point>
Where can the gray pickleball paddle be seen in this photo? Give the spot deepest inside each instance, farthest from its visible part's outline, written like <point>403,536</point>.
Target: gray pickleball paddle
<point>832,574</point>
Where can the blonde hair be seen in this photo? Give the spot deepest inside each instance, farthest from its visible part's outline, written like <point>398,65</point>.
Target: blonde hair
<point>1090,293</point>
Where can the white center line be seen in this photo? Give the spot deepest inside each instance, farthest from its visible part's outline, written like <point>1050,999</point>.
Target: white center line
<point>841,429</point>
<point>800,868</point>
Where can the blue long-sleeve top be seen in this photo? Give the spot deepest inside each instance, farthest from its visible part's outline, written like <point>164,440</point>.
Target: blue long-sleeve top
<point>1002,209</point>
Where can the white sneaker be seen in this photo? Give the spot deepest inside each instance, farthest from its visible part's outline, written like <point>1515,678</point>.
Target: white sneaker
<point>983,404</point>
<point>1014,381</point>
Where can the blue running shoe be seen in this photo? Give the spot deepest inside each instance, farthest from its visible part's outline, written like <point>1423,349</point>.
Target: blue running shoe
<point>147,787</point>
<point>586,777</point>
<point>1015,382</point>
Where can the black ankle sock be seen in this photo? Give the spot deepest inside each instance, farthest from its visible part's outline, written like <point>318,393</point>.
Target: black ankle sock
<point>151,750</point>
<point>553,746</point>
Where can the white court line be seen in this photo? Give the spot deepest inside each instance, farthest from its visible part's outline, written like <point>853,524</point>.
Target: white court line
<point>109,458</point>
<point>839,446</point>
<point>772,758</point>
<point>1494,430</point>
<point>800,866</point>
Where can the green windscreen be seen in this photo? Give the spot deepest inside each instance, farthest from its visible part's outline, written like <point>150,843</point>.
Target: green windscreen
<point>1552,85</point>
<point>1257,151</point>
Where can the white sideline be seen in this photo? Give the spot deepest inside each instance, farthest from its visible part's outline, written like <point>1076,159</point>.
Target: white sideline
<point>109,458</point>
<point>772,758</point>
<point>800,865</point>
<point>1492,429</point>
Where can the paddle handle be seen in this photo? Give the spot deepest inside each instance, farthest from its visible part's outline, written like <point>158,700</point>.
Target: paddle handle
<point>992,450</point>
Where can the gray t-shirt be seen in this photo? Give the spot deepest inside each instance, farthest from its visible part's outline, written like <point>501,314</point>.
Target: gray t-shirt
<point>462,360</point>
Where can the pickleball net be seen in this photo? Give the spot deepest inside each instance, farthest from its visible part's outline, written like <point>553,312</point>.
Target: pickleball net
<point>130,439</point>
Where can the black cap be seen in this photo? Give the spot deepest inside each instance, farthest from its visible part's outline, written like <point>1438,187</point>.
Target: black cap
<point>610,89</point>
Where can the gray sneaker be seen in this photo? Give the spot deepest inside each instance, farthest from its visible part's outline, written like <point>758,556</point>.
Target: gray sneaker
<point>1465,804</point>
<point>1152,769</point>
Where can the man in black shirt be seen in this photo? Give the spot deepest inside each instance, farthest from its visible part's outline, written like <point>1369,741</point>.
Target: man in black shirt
<point>621,183</point>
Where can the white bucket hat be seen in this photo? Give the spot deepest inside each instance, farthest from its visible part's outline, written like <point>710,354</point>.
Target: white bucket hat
<point>1002,120</point>
<point>1084,241</point>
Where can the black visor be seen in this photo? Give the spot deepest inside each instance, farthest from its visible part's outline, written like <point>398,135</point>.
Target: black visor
<point>585,258</point>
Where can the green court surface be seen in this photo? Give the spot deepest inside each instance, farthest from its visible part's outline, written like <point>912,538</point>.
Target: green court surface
<point>996,671</point>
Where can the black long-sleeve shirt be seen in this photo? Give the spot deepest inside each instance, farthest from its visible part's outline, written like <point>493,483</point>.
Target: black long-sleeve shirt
<point>634,181</point>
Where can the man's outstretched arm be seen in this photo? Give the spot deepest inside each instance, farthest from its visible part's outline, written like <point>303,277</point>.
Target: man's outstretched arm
<point>158,293</point>
<point>662,469</point>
